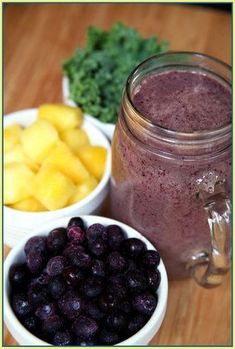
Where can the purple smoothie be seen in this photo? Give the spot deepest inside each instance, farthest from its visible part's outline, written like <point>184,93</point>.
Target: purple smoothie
<point>158,195</point>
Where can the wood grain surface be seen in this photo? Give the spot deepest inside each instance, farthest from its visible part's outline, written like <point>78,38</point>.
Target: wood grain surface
<point>37,37</point>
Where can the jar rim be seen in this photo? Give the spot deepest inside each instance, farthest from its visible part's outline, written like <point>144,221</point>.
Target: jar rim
<point>169,133</point>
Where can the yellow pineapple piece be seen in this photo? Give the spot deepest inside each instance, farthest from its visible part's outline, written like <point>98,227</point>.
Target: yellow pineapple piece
<point>17,179</point>
<point>62,117</point>
<point>38,139</point>
<point>30,204</point>
<point>64,160</point>
<point>11,136</point>
<point>75,138</point>
<point>94,158</point>
<point>83,189</point>
<point>17,155</point>
<point>52,188</point>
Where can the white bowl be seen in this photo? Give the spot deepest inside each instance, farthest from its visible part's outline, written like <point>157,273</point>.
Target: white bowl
<point>106,128</point>
<point>24,337</point>
<point>18,224</point>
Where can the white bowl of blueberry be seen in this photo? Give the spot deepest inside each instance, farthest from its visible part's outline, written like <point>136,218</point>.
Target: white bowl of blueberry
<point>84,281</point>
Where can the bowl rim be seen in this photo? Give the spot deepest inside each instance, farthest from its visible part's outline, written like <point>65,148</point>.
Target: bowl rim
<point>9,315</point>
<point>80,204</point>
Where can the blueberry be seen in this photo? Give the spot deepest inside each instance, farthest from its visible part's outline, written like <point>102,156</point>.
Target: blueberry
<point>81,259</point>
<point>75,234</point>
<point>153,279</point>
<point>117,287</point>
<point>98,247</point>
<point>131,265</point>
<point>98,268</point>
<point>135,281</point>
<point>31,323</point>
<point>150,259</point>
<point>115,236</point>
<point>35,262</point>
<point>73,276</point>
<point>108,337</point>
<point>56,265</point>
<point>136,323</point>
<point>108,302</point>
<point>70,305</point>
<point>115,262</point>
<point>93,311</point>
<point>85,327</point>
<point>116,321</point>
<point>62,338</point>
<point>86,342</point>
<point>71,249</point>
<point>37,295</point>
<point>144,303</point>
<point>56,240</point>
<point>96,232</point>
<point>91,287</point>
<point>36,244</point>
<point>45,311</point>
<point>76,222</point>
<point>125,306</point>
<point>133,247</point>
<point>56,287</point>
<point>18,275</point>
<point>52,324</point>
<point>21,305</point>
<point>42,280</point>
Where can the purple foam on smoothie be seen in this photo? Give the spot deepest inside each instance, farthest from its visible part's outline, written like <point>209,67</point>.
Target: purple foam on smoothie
<point>184,101</point>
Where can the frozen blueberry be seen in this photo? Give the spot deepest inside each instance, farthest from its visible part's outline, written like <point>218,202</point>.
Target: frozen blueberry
<point>125,306</point>
<point>93,311</point>
<point>131,265</point>
<point>42,280</point>
<point>73,276</point>
<point>81,259</point>
<point>86,342</point>
<point>31,323</point>
<point>56,287</point>
<point>116,263</point>
<point>85,327</point>
<point>108,337</point>
<point>36,244</point>
<point>117,287</point>
<point>115,236</point>
<point>70,305</point>
<point>135,281</point>
<point>52,324</point>
<point>56,265</point>
<point>18,275</point>
<point>62,338</point>
<point>108,302</point>
<point>144,303</point>
<point>35,262</point>
<point>45,311</point>
<point>37,295</point>
<point>71,249</point>
<point>21,305</point>
<point>91,287</point>
<point>96,232</point>
<point>76,222</point>
<point>56,240</point>
<point>153,279</point>
<point>75,234</point>
<point>150,259</point>
<point>116,321</point>
<point>136,323</point>
<point>98,268</point>
<point>133,247</point>
<point>98,247</point>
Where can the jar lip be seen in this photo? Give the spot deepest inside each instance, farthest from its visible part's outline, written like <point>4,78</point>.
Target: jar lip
<point>187,136</point>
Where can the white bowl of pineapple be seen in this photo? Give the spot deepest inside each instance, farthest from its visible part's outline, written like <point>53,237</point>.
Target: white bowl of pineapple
<point>56,164</point>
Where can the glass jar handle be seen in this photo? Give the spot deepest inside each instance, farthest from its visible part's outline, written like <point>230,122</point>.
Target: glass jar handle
<point>209,267</point>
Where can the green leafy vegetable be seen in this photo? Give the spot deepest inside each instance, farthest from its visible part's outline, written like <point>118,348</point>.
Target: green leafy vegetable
<point>97,73</point>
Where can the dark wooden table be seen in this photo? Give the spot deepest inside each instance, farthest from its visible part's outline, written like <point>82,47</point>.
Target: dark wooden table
<point>37,37</point>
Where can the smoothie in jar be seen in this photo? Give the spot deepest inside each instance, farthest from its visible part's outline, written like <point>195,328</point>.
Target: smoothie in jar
<point>155,180</point>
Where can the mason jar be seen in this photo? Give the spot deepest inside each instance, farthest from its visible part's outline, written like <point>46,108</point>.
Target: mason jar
<point>174,186</point>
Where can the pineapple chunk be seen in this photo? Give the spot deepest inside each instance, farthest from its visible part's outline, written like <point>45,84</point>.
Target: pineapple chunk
<point>38,139</point>
<point>52,188</point>
<point>62,117</point>
<point>94,158</point>
<point>64,160</point>
<point>29,204</point>
<point>11,136</point>
<point>75,138</point>
<point>17,155</point>
<point>83,189</point>
<point>17,178</point>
